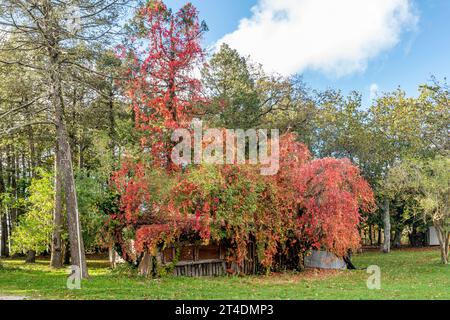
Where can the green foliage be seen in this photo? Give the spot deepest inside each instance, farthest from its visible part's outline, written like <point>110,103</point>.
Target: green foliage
<point>35,227</point>
<point>92,193</point>
<point>435,185</point>
<point>243,96</point>
<point>230,81</point>
<point>413,127</point>
<point>394,128</point>
<point>425,186</point>
<point>125,270</point>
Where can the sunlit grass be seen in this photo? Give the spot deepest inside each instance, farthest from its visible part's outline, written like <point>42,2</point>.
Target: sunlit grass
<point>406,274</point>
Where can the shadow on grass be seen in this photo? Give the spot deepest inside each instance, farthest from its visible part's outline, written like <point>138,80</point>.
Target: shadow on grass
<point>405,274</point>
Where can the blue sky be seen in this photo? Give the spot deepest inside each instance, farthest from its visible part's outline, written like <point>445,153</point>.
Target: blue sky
<point>405,55</point>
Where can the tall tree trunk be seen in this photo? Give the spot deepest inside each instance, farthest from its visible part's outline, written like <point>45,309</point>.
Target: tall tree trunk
<point>56,260</point>
<point>26,172</point>
<point>66,169</point>
<point>387,227</point>
<point>8,186</point>
<point>4,252</point>
<point>5,235</point>
<point>31,254</point>
<point>112,128</point>
<point>12,182</point>
<point>31,145</point>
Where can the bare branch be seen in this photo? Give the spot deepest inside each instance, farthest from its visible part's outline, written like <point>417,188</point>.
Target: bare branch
<point>36,123</point>
<point>19,108</point>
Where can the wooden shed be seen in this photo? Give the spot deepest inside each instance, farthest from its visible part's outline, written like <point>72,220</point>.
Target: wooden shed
<point>195,260</point>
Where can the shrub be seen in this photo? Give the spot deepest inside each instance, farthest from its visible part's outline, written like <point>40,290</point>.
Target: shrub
<point>35,227</point>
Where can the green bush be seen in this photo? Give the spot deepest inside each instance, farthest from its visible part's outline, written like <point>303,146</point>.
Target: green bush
<point>35,227</point>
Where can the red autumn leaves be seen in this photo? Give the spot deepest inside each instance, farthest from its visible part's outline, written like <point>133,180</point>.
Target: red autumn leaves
<point>163,57</point>
<point>313,203</point>
<point>332,195</point>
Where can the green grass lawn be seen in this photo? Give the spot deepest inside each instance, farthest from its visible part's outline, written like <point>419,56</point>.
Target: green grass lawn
<point>406,274</point>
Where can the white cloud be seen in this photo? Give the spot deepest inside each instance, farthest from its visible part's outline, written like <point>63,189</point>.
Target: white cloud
<point>373,91</point>
<point>334,37</point>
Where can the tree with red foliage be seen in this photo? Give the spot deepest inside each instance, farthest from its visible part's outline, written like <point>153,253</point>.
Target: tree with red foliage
<point>333,193</point>
<point>163,55</point>
<point>307,205</point>
<point>165,52</point>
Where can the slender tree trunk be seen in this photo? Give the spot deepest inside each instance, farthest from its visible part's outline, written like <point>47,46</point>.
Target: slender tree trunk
<point>447,244</point>
<point>444,251</point>
<point>80,156</point>
<point>31,254</point>
<point>56,260</point>
<point>387,227</point>
<point>379,236</point>
<point>4,252</point>
<point>66,169</point>
<point>112,257</point>
<point>112,132</point>
<point>370,235</point>
<point>26,172</point>
<point>112,128</point>
<point>397,243</point>
<point>11,187</point>
<point>444,239</point>
<point>31,145</point>
<point>5,238</point>
<point>12,173</point>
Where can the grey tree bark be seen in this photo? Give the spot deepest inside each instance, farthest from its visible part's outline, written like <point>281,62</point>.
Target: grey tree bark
<point>145,267</point>
<point>4,226</point>
<point>444,241</point>
<point>56,260</point>
<point>65,167</point>
<point>397,241</point>
<point>387,227</point>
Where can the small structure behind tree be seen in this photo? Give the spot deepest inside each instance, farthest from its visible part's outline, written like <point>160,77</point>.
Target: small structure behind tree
<point>432,237</point>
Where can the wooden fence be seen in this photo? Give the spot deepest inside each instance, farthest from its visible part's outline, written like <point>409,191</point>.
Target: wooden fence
<point>201,261</point>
